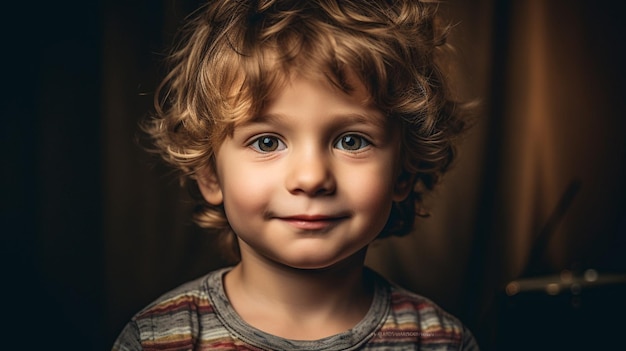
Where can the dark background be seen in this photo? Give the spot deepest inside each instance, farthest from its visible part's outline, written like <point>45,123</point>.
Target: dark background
<point>93,229</point>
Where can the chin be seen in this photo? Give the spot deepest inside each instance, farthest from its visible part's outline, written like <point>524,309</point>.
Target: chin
<point>313,267</point>
<point>308,265</point>
<point>317,263</point>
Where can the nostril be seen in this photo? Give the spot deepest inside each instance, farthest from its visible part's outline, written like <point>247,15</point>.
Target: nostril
<point>322,188</point>
<point>312,178</point>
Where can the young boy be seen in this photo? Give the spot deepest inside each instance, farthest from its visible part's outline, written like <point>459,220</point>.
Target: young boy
<point>311,128</point>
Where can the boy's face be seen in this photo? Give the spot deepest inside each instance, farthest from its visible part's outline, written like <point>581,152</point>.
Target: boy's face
<point>309,182</point>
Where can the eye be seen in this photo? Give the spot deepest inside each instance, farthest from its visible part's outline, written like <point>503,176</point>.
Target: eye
<point>267,143</point>
<point>351,142</point>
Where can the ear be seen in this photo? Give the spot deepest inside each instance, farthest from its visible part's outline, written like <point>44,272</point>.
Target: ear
<point>403,186</point>
<point>209,186</point>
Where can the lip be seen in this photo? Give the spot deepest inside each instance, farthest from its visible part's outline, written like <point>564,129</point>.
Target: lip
<point>312,222</point>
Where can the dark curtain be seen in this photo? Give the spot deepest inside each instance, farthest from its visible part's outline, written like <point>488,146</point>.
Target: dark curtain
<point>52,198</point>
<point>93,228</point>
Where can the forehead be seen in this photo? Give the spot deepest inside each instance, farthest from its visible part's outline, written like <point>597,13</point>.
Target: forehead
<point>259,91</point>
<point>304,95</point>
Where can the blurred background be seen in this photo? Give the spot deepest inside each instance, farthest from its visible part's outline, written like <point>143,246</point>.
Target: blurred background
<point>527,239</point>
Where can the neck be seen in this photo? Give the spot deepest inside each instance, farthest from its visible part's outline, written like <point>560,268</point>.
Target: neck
<point>265,293</point>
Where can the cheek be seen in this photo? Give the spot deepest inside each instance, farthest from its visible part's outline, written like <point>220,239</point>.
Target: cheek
<point>245,193</point>
<point>372,190</point>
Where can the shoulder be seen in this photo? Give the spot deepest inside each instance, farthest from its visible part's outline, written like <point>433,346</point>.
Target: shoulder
<point>414,319</point>
<point>190,295</point>
<point>176,318</point>
<point>410,307</point>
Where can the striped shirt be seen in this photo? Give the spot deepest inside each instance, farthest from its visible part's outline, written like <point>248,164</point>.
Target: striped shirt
<point>198,316</point>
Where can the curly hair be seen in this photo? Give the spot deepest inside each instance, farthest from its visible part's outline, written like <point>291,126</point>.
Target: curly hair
<point>233,54</point>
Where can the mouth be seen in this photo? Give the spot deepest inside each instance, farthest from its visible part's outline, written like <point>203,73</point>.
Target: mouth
<point>312,222</point>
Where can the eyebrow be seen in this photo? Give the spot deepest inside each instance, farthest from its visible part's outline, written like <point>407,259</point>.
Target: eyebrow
<point>377,120</point>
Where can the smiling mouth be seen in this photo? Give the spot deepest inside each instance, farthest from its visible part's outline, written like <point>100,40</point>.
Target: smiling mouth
<point>312,223</point>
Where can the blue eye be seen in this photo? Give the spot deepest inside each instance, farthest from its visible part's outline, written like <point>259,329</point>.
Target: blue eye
<point>351,142</point>
<point>267,143</point>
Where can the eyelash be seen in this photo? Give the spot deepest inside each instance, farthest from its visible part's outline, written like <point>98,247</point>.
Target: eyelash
<point>362,142</point>
<point>257,145</point>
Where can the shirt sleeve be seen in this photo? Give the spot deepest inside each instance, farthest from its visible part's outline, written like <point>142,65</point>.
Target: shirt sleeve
<point>468,342</point>
<point>129,339</point>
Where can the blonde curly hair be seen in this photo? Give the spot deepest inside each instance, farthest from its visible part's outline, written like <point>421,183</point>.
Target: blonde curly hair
<point>234,53</point>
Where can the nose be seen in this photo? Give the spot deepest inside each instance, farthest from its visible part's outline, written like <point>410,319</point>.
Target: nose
<point>311,174</point>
